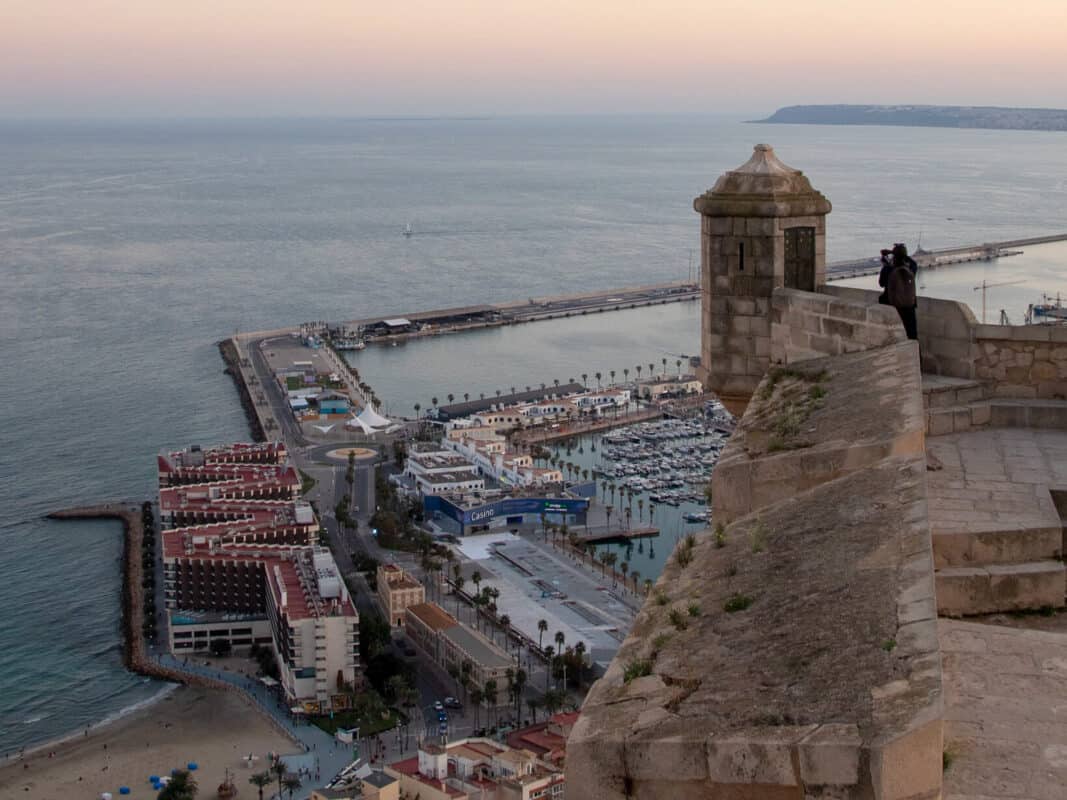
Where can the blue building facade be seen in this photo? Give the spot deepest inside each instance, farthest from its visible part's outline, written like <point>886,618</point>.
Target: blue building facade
<point>509,511</point>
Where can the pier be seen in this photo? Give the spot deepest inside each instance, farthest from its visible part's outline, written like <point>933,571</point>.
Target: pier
<point>934,259</point>
<point>615,534</point>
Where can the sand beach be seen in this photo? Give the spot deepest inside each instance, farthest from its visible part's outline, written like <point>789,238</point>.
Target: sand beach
<point>215,729</point>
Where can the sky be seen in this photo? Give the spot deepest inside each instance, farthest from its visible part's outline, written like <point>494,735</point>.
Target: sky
<point>74,58</point>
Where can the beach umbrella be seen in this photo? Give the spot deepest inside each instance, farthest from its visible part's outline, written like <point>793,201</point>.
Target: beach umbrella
<point>153,779</point>
<point>193,766</point>
<point>124,790</point>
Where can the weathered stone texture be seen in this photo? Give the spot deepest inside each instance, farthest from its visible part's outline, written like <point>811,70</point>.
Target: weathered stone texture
<point>825,680</point>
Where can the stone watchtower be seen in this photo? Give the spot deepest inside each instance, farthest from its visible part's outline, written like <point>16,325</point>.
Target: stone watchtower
<point>761,226</point>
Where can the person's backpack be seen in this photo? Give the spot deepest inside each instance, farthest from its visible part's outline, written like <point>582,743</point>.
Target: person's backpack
<point>900,288</point>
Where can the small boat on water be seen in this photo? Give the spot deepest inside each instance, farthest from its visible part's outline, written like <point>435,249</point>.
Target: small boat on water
<point>408,231</point>
<point>696,516</point>
<point>1050,309</point>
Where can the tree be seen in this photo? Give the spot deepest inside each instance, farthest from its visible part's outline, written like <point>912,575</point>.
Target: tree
<point>476,698</point>
<point>458,583</point>
<point>520,686</point>
<point>451,397</point>
<point>679,363</point>
<point>259,780</point>
<point>635,576</point>
<point>598,376</point>
<point>533,704</point>
<point>609,559</point>
<point>638,372</point>
<point>181,786</point>
<point>664,360</point>
<point>418,408</point>
<point>466,397</point>
<point>579,659</point>
<point>542,626</point>
<point>292,783</point>
<point>490,695</point>
<point>550,651</point>
<point>505,624</point>
<point>585,379</point>
<point>624,568</point>
<point>612,374</point>
<point>279,770</point>
<point>626,375</point>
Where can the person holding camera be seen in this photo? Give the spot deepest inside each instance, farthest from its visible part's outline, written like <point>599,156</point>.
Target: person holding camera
<point>897,280</point>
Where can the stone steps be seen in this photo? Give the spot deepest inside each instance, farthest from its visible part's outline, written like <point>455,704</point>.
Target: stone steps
<point>942,392</point>
<point>996,413</point>
<point>997,588</point>
<point>997,547</point>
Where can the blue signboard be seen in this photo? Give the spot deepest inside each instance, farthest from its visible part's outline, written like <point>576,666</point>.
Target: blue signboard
<point>511,506</point>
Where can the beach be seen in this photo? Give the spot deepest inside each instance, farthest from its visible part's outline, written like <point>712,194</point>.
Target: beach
<point>215,729</point>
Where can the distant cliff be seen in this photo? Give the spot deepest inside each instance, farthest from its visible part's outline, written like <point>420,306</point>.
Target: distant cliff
<point>1027,119</point>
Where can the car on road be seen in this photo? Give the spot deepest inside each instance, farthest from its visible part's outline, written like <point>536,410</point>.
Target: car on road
<point>437,706</point>
<point>442,716</point>
<point>451,702</point>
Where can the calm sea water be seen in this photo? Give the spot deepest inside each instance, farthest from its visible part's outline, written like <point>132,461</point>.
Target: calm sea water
<point>127,250</point>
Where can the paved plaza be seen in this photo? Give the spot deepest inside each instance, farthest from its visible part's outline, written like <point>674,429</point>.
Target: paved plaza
<point>996,479</point>
<point>537,581</point>
<point>1005,712</point>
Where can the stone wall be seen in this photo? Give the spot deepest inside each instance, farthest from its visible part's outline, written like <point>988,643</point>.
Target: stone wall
<point>805,325</point>
<point>1022,362</point>
<point>792,653</point>
<point>946,330</point>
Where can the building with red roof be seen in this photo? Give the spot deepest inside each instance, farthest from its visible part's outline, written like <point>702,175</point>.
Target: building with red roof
<point>241,566</point>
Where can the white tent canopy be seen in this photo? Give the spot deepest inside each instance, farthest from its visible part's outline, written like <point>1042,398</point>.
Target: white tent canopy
<point>369,421</point>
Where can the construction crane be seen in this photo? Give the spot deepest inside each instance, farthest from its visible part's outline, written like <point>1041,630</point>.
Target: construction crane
<point>987,285</point>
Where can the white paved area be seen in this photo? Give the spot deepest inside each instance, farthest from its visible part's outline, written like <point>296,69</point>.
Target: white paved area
<point>996,479</point>
<point>529,575</point>
<point>1005,712</point>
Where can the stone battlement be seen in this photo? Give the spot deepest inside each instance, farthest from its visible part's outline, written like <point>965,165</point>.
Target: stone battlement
<point>793,652</point>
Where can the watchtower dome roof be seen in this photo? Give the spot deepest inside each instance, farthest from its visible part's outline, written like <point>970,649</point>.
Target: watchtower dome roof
<point>763,186</point>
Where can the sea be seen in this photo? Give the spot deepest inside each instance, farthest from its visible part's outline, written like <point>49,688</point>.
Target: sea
<point>128,249</point>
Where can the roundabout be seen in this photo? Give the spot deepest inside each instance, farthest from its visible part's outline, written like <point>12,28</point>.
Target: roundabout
<point>333,454</point>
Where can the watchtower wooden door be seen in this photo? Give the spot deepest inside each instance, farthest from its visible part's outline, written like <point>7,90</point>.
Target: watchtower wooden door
<point>800,259</point>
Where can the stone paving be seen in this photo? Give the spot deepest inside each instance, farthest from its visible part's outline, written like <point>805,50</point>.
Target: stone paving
<point>996,479</point>
<point>1005,693</point>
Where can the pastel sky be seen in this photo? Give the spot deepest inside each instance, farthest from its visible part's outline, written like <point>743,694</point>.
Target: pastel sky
<point>375,57</point>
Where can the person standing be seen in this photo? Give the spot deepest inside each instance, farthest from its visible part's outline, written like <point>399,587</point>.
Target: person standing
<point>897,279</point>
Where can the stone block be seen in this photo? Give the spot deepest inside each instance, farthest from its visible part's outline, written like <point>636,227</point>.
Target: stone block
<point>980,415</point>
<point>961,420</point>
<point>940,422</point>
<point>764,756</point>
<point>718,226</point>
<point>830,756</point>
<point>1030,333</point>
<point>1018,587</point>
<point>851,312</point>
<point>836,327</point>
<point>909,767</point>
<point>962,590</point>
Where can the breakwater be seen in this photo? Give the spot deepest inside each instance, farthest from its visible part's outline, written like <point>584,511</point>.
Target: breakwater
<point>228,351</point>
<point>136,656</point>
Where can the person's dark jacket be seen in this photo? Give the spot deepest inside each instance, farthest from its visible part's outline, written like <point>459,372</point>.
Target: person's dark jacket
<point>889,263</point>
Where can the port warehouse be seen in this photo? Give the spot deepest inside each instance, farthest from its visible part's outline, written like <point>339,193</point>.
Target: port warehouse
<point>476,516</point>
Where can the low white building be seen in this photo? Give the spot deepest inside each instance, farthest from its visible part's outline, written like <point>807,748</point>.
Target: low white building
<point>437,471</point>
<point>655,388</point>
<point>598,402</point>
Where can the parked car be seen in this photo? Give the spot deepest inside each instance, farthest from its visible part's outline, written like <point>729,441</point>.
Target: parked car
<point>451,702</point>
<point>437,706</point>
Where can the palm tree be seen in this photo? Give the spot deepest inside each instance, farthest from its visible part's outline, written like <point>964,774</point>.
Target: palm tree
<point>612,374</point>
<point>556,382</point>
<point>259,780</point>
<point>629,514</point>
<point>559,637</point>
<point>585,379</point>
<point>476,698</point>
<point>418,408</point>
<point>608,510</point>
<point>597,376</point>
<point>638,368</point>
<point>679,364</point>
<point>624,568</point>
<point>451,397</point>
<point>182,786</point>
<point>533,704</point>
<point>626,375</point>
<point>635,576</point>
<point>490,695</point>
<point>520,686</point>
<point>466,397</point>
<point>505,624</point>
<point>648,585</point>
<point>542,626</point>
<point>434,401</point>
<point>292,783</point>
<point>458,584</point>
<point>550,651</point>
<point>651,369</point>
<point>609,559</point>
<point>579,652</point>
<point>640,507</point>
<point>278,768</point>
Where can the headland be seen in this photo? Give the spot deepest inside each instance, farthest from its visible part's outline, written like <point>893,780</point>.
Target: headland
<point>925,116</point>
